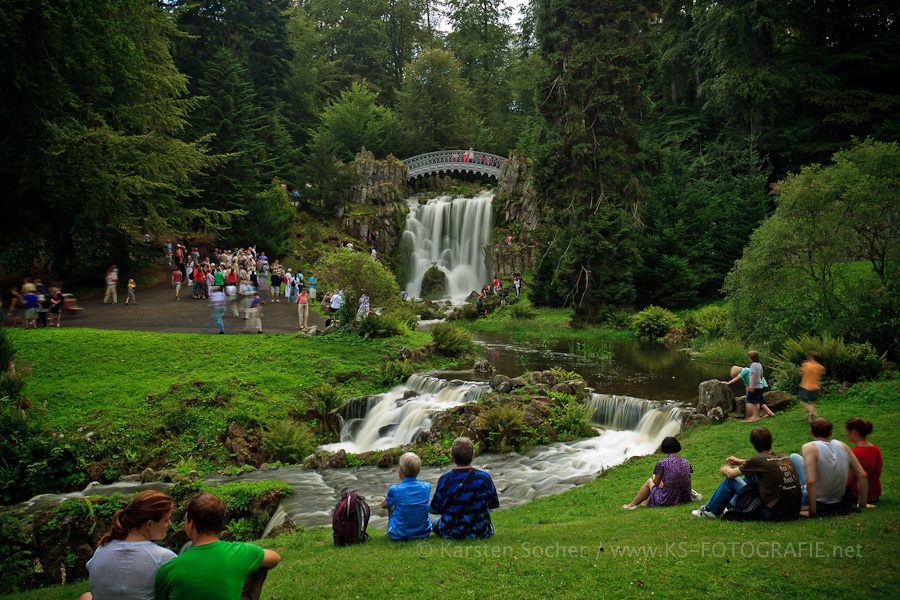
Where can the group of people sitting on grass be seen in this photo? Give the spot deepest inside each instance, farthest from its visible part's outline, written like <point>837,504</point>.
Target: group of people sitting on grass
<point>461,505</point>
<point>129,565</point>
<point>827,478</point>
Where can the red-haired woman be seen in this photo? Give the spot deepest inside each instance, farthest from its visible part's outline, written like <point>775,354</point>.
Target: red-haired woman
<point>868,455</point>
<point>125,562</point>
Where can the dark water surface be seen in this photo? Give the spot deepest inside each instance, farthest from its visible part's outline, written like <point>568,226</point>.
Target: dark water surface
<point>639,368</point>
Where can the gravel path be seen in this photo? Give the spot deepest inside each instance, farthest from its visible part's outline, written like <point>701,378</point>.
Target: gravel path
<point>157,310</point>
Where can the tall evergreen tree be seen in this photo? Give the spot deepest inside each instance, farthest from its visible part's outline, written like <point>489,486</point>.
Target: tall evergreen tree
<point>91,110</point>
<point>588,157</point>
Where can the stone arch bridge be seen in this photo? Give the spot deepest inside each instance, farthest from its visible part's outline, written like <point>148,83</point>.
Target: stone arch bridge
<point>453,161</point>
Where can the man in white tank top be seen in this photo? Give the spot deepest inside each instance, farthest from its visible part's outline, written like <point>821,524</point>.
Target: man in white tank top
<point>826,463</point>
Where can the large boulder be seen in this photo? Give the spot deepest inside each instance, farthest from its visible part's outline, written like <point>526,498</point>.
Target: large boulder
<point>778,400</point>
<point>715,393</point>
<point>498,379</point>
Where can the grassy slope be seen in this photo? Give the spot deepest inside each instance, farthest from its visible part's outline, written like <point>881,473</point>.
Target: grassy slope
<point>575,545</point>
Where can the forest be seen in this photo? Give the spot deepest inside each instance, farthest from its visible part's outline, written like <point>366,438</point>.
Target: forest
<point>661,133</point>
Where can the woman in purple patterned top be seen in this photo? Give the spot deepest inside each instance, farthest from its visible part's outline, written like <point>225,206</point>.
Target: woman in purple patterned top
<point>671,481</point>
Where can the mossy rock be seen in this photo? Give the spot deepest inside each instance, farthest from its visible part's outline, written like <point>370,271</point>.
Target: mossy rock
<point>434,284</point>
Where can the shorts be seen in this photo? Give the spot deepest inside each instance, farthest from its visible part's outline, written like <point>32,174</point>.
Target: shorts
<point>754,397</point>
<point>177,286</point>
<point>808,396</point>
<point>31,313</point>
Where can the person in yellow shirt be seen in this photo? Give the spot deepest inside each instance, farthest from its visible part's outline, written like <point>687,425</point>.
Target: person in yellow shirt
<point>811,371</point>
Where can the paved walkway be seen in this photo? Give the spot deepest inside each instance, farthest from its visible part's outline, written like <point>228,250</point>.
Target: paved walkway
<point>157,310</point>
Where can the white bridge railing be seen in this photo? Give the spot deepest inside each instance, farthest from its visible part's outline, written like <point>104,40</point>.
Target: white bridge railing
<point>453,161</point>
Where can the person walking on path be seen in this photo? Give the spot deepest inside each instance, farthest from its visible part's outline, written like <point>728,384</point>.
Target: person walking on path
<point>253,315</point>
<point>112,280</point>
<point>56,305</point>
<point>303,308</point>
<point>311,282</point>
<point>217,307</point>
<point>131,297</point>
<point>177,278</point>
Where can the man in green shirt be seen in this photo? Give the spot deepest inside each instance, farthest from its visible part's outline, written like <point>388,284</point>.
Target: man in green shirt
<point>212,569</point>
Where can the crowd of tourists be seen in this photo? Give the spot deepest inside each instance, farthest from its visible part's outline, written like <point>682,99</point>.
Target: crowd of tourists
<point>33,303</point>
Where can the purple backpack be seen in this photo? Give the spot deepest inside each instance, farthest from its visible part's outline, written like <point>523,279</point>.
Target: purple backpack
<point>350,520</point>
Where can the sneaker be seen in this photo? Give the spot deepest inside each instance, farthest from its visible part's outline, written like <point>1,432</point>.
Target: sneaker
<point>702,512</point>
<point>696,496</point>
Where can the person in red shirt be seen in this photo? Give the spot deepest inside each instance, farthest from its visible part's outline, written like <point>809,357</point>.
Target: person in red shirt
<point>868,455</point>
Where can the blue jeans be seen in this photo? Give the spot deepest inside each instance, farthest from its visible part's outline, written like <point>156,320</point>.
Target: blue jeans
<point>801,472</point>
<point>724,494</point>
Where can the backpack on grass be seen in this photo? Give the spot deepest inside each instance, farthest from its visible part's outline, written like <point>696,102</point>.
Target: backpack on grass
<point>350,520</point>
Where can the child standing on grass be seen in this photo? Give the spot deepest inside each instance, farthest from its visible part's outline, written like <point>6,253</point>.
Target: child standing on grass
<point>811,371</point>
<point>131,297</point>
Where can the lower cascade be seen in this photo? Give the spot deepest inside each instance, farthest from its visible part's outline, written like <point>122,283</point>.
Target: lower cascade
<point>632,427</point>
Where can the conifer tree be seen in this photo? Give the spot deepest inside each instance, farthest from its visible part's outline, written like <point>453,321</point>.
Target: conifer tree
<point>588,156</point>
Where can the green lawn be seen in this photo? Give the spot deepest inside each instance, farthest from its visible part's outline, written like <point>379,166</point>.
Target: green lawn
<point>581,544</point>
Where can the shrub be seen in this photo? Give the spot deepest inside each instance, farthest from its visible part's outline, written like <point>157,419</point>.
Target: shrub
<point>619,319</point>
<point>288,441</point>
<point>434,283</point>
<point>326,401</point>
<point>843,362</point>
<point>653,322</point>
<point>403,314</point>
<point>375,326</point>
<point>574,420</point>
<point>505,427</point>
<point>520,311</point>
<point>709,322</point>
<point>33,461</point>
<point>394,372</point>
<point>451,340</point>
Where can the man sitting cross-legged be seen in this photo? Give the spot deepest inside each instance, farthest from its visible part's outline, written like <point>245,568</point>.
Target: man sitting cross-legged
<point>211,569</point>
<point>769,491</point>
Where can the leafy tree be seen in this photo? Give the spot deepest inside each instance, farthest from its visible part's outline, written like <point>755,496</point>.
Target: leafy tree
<point>435,103</point>
<point>797,274</point>
<point>268,222</point>
<point>355,273</point>
<point>328,179</point>
<point>91,110</point>
<point>354,120</point>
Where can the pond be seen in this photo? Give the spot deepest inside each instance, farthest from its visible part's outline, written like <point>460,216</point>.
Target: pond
<point>638,368</point>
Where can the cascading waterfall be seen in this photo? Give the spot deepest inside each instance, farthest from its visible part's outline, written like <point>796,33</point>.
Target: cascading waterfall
<point>400,414</point>
<point>450,232</point>
<point>650,419</point>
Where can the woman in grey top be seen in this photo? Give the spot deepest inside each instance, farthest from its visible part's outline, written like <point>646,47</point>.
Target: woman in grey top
<point>125,562</point>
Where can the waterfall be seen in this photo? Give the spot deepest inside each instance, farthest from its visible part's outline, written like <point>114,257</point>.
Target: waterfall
<point>400,414</point>
<point>650,419</point>
<point>451,233</point>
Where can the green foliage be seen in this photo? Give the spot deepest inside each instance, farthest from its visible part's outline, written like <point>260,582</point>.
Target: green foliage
<point>329,180</point>
<point>653,322</point>
<point>93,108</point>
<point>376,326</point>
<point>268,222</point>
<point>563,374</point>
<point>241,530</point>
<point>451,340</point>
<point>16,551</point>
<point>355,120</point>
<point>619,319</point>
<point>842,361</point>
<point>573,420</point>
<point>709,321</point>
<point>243,495</point>
<point>721,350</point>
<point>520,311</point>
<point>394,372</point>
<point>288,442</point>
<point>505,427</point>
<point>599,349</point>
<point>326,400</point>
<point>355,273</point>
<point>32,461</point>
<point>795,278</point>
<point>404,315</point>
